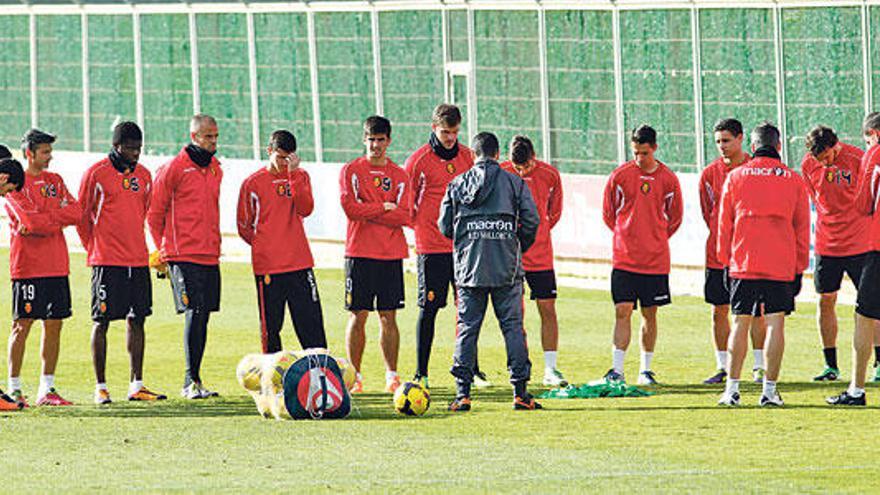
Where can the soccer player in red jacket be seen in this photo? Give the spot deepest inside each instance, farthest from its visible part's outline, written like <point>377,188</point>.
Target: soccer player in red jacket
<point>114,195</point>
<point>272,203</point>
<point>643,207</point>
<point>184,221</point>
<point>832,171</point>
<point>868,299</point>
<point>545,185</point>
<point>764,237</point>
<point>728,140</point>
<point>39,264</point>
<point>376,202</point>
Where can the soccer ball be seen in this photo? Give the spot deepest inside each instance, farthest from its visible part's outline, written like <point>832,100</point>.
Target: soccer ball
<point>249,372</point>
<point>412,399</point>
<point>348,373</point>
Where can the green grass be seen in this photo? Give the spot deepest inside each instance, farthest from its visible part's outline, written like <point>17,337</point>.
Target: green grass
<point>676,440</point>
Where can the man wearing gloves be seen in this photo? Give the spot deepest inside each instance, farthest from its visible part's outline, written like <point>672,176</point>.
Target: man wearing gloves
<point>492,219</point>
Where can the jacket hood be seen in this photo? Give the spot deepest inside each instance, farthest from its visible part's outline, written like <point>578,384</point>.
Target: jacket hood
<point>479,182</point>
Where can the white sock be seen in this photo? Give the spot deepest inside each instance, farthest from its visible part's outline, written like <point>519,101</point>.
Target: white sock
<point>14,383</point>
<point>550,360</point>
<point>721,360</point>
<point>855,391</point>
<point>759,358</point>
<point>731,387</point>
<point>617,356</point>
<point>646,361</point>
<point>390,375</point>
<point>769,388</point>
<point>135,386</point>
<point>46,384</point>
<point>100,386</point>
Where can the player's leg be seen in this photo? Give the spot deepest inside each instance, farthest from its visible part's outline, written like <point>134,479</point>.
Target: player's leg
<point>745,306</point>
<point>304,304</point>
<point>196,293</point>
<point>758,333</point>
<point>57,293</point>
<point>102,287</point>
<point>21,328</point>
<point>623,293</point>
<point>389,341</point>
<point>272,292</point>
<point>471,311</point>
<point>648,340</point>
<point>435,274</point>
<point>542,285</point>
<point>139,304</point>
<point>387,280</point>
<point>99,361</point>
<point>355,341</point>
<point>359,301</point>
<point>508,307</point>
<point>715,293</point>
<point>778,300</point>
<point>826,319</point>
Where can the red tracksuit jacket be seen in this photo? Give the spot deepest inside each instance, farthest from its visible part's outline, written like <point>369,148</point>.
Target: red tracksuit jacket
<point>372,231</point>
<point>869,194</point>
<point>711,183</point>
<point>184,215</point>
<point>428,177</point>
<point>114,206</point>
<point>764,222</point>
<point>271,208</point>
<point>841,229</point>
<point>37,215</point>
<point>545,184</point>
<point>643,210</point>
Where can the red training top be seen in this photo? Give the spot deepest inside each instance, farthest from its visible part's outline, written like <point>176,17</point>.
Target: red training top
<point>764,223</point>
<point>711,183</point>
<point>841,230</point>
<point>114,206</point>
<point>545,185</point>
<point>184,215</point>
<point>271,208</point>
<point>37,215</point>
<point>372,231</point>
<point>428,177</point>
<point>869,193</point>
<point>643,210</point>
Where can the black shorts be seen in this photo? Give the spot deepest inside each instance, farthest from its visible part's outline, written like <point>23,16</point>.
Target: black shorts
<point>121,292</point>
<point>195,286</point>
<point>436,274</point>
<point>868,300</point>
<point>761,297</point>
<point>639,288</point>
<point>715,289</point>
<point>298,291</point>
<point>46,298</point>
<point>373,284</point>
<point>542,284</point>
<point>830,269</point>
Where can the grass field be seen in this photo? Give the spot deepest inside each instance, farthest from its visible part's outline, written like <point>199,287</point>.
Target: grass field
<point>676,440</point>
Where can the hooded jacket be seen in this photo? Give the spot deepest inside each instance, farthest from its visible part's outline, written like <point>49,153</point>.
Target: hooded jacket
<point>492,219</point>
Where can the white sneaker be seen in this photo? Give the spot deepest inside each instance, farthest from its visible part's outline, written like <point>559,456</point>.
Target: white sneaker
<point>553,378</point>
<point>731,400</point>
<point>775,401</point>
<point>647,377</point>
<point>205,392</point>
<point>191,392</point>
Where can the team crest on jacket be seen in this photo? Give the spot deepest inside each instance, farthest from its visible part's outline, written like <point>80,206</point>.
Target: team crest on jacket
<point>829,176</point>
<point>450,167</point>
<point>646,187</point>
<point>283,189</point>
<point>131,183</point>
<point>48,191</point>
<point>383,183</point>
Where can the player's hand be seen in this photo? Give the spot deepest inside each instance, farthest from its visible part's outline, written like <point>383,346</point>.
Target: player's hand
<point>389,206</point>
<point>3,179</point>
<point>293,162</point>
<point>22,229</point>
<point>796,285</point>
<point>157,263</point>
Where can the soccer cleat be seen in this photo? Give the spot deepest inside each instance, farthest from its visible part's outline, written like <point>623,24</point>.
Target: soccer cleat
<point>526,403</point>
<point>52,398</point>
<point>102,396</point>
<point>758,375</point>
<point>717,378</point>
<point>829,375</point>
<point>845,399</point>
<point>8,404</point>
<point>553,378</point>
<point>392,384</point>
<point>145,394</point>
<point>357,387</point>
<point>460,404</point>
<point>775,401</point>
<point>191,392</point>
<point>480,380</point>
<point>613,377</point>
<point>647,377</point>
<point>19,397</point>
<point>205,392</point>
<point>731,400</point>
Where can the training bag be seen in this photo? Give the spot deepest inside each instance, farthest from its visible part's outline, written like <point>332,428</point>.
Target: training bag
<point>314,389</point>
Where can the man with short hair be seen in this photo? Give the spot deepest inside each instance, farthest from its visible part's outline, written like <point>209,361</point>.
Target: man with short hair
<point>545,185</point>
<point>272,203</point>
<point>39,265</point>
<point>184,221</point>
<point>643,207</point>
<point>832,170</point>
<point>11,179</point>
<point>728,140</point>
<point>868,299</point>
<point>430,169</point>
<point>491,218</point>
<point>376,202</point>
<point>114,195</point>
<point>764,237</point>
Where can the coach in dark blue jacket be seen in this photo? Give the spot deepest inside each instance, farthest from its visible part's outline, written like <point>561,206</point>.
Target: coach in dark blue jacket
<point>491,218</point>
